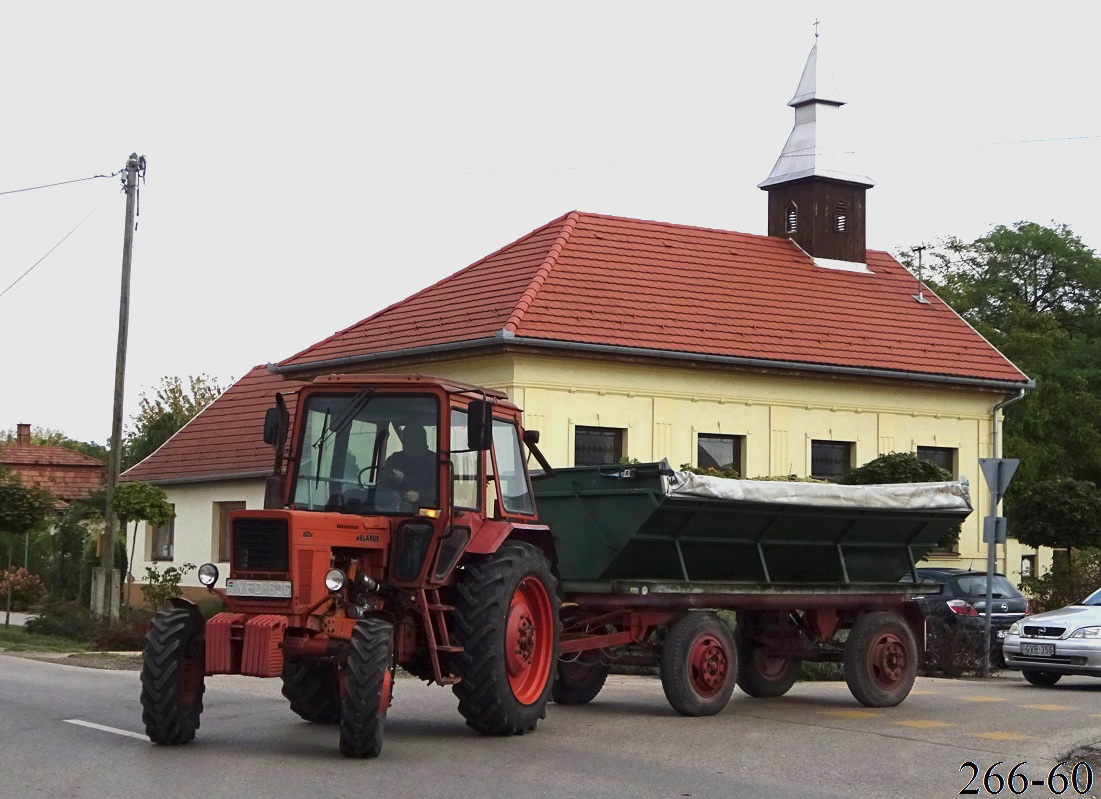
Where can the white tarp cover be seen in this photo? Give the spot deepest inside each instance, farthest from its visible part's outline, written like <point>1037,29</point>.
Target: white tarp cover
<point>895,496</point>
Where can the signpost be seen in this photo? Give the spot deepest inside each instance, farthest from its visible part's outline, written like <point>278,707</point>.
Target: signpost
<point>999,474</point>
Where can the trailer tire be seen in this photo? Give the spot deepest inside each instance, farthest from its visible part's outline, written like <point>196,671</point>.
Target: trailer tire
<point>699,664</point>
<point>761,675</point>
<point>313,689</point>
<point>880,660</point>
<point>1044,679</point>
<point>173,667</point>
<point>368,687</point>
<point>579,681</point>
<point>506,620</point>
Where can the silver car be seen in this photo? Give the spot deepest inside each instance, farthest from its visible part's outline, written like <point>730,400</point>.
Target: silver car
<point>1049,645</point>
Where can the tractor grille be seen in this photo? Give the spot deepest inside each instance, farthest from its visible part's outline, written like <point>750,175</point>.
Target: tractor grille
<point>260,545</point>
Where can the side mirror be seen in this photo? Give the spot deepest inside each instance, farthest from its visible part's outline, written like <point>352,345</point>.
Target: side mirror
<point>531,437</point>
<point>276,423</point>
<point>479,425</point>
<point>271,427</point>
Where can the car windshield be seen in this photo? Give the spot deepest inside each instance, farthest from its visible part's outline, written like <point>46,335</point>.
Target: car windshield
<point>364,454</point>
<point>975,585</point>
<point>1092,599</point>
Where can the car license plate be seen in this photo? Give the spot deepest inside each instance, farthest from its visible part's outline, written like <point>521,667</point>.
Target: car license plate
<point>1043,650</point>
<point>266,589</point>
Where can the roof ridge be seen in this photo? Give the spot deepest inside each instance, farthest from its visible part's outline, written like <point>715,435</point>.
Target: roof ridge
<point>542,273</point>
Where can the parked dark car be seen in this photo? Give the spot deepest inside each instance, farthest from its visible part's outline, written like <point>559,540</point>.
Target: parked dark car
<point>958,612</point>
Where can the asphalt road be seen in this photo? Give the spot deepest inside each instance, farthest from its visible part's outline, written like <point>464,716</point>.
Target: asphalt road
<point>73,732</point>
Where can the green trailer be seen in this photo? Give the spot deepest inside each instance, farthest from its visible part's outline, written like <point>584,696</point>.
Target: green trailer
<point>811,572</point>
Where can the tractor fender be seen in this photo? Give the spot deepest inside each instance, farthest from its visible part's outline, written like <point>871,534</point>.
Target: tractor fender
<point>493,534</point>
<point>188,605</point>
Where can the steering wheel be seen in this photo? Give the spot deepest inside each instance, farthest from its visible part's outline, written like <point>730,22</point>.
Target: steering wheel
<point>370,477</point>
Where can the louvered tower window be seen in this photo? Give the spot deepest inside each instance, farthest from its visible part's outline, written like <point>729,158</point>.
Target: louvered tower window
<point>791,218</point>
<point>840,217</point>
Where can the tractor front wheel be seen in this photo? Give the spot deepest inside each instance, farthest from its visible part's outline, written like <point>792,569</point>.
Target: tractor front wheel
<point>368,683</point>
<point>506,620</point>
<point>172,676</point>
<point>880,660</point>
<point>699,663</point>
<point>313,689</point>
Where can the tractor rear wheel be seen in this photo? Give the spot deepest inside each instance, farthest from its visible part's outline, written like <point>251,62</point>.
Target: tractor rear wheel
<point>579,680</point>
<point>699,663</point>
<point>506,620</point>
<point>880,660</point>
<point>761,674</point>
<point>313,689</point>
<point>172,673</point>
<point>368,685</point>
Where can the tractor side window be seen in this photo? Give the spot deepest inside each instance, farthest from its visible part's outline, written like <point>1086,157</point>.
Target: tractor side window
<point>515,490</point>
<point>464,465</point>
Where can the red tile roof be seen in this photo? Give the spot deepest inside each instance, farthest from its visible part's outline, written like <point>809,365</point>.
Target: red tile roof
<point>225,440</point>
<point>599,280</point>
<point>66,474</point>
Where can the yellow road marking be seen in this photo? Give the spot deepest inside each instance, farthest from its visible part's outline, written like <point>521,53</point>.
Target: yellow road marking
<point>1001,736</point>
<point>852,714</point>
<point>922,724</point>
<point>1047,707</point>
<point>982,699</point>
<point>921,692</point>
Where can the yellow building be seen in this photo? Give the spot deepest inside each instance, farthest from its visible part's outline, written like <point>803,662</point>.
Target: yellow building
<point>797,353</point>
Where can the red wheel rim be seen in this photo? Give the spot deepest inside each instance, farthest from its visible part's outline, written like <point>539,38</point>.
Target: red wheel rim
<point>887,661</point>
<point>387,690</point>
<point>769,666</point>
<point>708,665</point>
<point>529,639</point>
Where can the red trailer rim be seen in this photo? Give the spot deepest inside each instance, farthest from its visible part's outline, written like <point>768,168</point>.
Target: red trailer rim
<point>708,665</point>
<point>887,660</point>
<point>769,666</point>
<point>529,639</point>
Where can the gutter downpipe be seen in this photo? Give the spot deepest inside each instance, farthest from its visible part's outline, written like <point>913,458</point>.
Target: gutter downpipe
<point>992,546</point>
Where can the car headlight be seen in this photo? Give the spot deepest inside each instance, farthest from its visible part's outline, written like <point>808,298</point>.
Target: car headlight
<point>335,579</point>
<point>208,574</point>
<point>1014,629</point>
<point>1087,632</point>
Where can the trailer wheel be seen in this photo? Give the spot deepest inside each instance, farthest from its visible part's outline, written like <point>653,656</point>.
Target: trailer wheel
<point>172,672</point>
<point>579,680</point>
<point>880,660</point>
<point>699,664</point>
<point>1044,679</point>
<point>761,674</point>
<point>506,620</point>
<point>368,686</point>
<point>313,689</point>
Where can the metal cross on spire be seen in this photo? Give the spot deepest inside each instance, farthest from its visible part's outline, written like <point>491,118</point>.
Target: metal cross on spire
<point>816,30</point>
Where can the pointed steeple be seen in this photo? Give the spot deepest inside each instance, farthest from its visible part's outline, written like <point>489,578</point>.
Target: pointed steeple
<point>816,197</point>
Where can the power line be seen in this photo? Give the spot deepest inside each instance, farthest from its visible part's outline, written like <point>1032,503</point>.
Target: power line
<point>43,258</point>
<point>62,183</point>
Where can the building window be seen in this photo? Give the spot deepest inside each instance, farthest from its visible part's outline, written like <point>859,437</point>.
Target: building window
<point>829,460</point>
<point>719,452</point>
<point>840,217</point>
<point>597,446</point>
<point>944,457</point>
<point>163,539</point>
<point>222,529</point>
<point>791,218</point>
<point>1028,565</point>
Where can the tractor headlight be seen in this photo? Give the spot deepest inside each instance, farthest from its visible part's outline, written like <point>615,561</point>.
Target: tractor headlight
<point>208,574</point>
<point>335,579</point>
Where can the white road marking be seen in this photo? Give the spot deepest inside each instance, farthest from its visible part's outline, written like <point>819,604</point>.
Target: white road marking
<point>115,730</point>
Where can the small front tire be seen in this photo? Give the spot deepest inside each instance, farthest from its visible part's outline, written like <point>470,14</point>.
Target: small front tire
<point>368,682</point>
<point>173,668</point>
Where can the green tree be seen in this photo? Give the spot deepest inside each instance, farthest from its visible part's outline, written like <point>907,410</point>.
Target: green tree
<point>902,467</point>
<point>161,415</point>
<point>22,508</point>
<point>137,502</point>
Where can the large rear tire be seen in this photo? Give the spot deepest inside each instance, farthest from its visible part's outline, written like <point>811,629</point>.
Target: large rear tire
<point>368,684</point>
<point>880,660</point>
<point>1044,679</point>
<point>506,620</point>
<point>579,680</point>
<point>699,664</point>
<point>313,688</point>
<point>761,674</point>
<point>172,674</point>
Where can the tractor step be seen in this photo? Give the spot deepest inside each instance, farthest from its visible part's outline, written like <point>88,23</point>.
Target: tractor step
<point>440,648</point>
<point>444,608</point>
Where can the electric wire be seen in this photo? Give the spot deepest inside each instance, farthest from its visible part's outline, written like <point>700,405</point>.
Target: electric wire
<point>43,258</point>
<point>62,183</point>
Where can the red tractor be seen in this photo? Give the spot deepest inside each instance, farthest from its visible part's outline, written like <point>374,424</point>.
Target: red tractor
<point>401,532</point>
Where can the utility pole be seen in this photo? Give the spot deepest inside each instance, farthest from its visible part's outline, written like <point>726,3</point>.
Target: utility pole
<point>105,600</point>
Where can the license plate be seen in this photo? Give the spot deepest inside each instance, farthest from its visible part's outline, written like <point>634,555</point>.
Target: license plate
<point>1043,650</point>
<point>265,589</point>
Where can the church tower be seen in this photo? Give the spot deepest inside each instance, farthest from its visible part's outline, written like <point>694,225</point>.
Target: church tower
<point>814,197</point>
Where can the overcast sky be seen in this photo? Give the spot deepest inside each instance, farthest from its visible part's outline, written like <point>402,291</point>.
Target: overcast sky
<point>310,164</point>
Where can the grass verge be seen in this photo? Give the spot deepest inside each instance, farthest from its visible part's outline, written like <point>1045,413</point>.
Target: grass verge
<point>16,639</point>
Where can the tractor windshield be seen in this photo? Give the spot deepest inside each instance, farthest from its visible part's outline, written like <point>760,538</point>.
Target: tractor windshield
<point>364,454</point>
